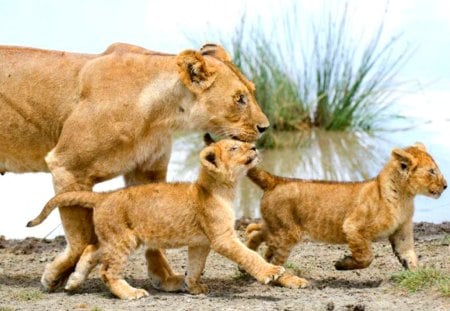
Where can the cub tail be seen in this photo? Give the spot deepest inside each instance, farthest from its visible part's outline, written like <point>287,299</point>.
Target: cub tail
<point>263,179</point>
<point>86,199</point>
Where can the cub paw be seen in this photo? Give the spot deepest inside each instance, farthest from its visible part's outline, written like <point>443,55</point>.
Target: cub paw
<point>135,294</point>
<point>349,263</point>
<point>273,274</point>
<point>291,281</point>
<point>197,289</point>
<point>74,281</point>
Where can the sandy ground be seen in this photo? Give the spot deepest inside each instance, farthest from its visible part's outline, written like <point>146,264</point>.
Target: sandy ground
<point>22,262</point>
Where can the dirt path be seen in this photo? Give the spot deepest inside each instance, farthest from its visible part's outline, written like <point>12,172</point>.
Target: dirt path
<point>22,262</point>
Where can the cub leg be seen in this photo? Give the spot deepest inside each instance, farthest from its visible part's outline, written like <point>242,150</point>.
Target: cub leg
<point>88,260</point>
<point>228,245</point>
<point>360,246</point>
<point>160,273</point>
<point>254,236</point>
<point>114,261</point>
<point>278,250</point>
<point>402,242</point>
<point>197,258</point>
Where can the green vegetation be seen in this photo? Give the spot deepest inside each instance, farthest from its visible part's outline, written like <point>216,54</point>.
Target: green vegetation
<point>332,81</point>
<point>423,278</point>
<point>28,294</point>
<point>6,308</point>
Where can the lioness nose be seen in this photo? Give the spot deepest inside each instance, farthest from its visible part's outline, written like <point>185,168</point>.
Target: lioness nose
<point>262,129</point>
<point>445,185</point>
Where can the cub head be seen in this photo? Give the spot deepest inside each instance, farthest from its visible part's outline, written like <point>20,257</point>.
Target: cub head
<point>418,168</point>
<point>225,104</point>
<point>228,159</point>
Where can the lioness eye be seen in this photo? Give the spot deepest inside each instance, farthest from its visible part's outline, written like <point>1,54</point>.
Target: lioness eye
<point>431,171</point>
<point>234,148</point>
<point>242,99</point>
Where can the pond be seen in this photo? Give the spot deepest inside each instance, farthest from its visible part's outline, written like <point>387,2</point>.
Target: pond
<point>343,156</point>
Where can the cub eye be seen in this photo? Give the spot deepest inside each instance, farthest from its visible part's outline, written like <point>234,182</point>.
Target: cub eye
<point>234,148</point>
<point>242,100</point>
<point>432,171</point>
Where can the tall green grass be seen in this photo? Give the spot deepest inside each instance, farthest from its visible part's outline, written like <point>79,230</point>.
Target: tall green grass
<point>319,75</point>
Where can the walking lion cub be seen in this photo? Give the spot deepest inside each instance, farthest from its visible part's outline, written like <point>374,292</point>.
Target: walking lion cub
<point>355,213</point>
<point>171,215</point>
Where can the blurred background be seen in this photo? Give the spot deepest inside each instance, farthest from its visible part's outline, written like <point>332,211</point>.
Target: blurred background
<point>342,82</point>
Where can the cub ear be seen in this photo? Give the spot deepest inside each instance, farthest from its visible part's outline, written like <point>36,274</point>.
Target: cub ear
<point>208,158</point>
<point>215,51</point>
<point>420,146</point>
<point>407,160</point>
<point>194,72</point>
<point>208,139</point>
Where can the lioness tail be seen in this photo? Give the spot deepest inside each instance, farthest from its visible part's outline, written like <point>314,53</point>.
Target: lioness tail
<point>85,199</point>
<point>263,179</point>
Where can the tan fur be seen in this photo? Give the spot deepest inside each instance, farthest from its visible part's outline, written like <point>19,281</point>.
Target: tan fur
<point>88,118</point>
<point>199,215</point>
<point>355,213</point>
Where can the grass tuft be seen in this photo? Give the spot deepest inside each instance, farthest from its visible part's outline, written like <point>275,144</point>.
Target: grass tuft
<point>423,278</point>
<point>331,79</point>
<point>28,294</point>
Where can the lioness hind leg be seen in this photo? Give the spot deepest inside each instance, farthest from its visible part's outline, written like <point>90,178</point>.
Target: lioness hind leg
<point>88,260</point>
<point>197,259</point>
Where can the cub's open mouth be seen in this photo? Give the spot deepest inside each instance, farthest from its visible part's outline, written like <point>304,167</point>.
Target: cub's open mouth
<point>250,160</point>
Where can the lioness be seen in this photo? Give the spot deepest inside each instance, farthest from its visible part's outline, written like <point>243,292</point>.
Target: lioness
<point>355,212</point>
<point>88,118</point>
<point>169,215</point>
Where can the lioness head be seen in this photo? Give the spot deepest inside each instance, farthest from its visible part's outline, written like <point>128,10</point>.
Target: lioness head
<point>229,159</point>
<point>225,101</point>
<point>418,167</point>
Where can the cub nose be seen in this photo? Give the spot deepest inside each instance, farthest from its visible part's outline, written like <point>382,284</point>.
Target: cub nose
<point>262,129</point>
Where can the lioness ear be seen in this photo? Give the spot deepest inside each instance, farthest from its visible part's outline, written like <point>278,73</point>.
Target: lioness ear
<point>194,72</point>
<point>420,146</point>
<point>216,51</point>
<point>407,160</point>
<point>208,139</point>
<point>208,158</point>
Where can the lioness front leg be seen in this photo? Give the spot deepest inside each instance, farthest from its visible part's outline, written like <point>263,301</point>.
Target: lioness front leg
<point>360,246</point>
<point>402,242</point>
<point>78,228</point>
<point>197,258</point>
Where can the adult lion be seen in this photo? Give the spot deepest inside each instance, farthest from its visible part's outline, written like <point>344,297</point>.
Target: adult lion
<point>88,118</point>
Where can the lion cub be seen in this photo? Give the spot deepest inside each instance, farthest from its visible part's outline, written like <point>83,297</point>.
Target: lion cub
<point>170,215</point>
<point>355,213</point>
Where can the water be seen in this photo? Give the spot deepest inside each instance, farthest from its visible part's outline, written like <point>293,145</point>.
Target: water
<point>343,156</point>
